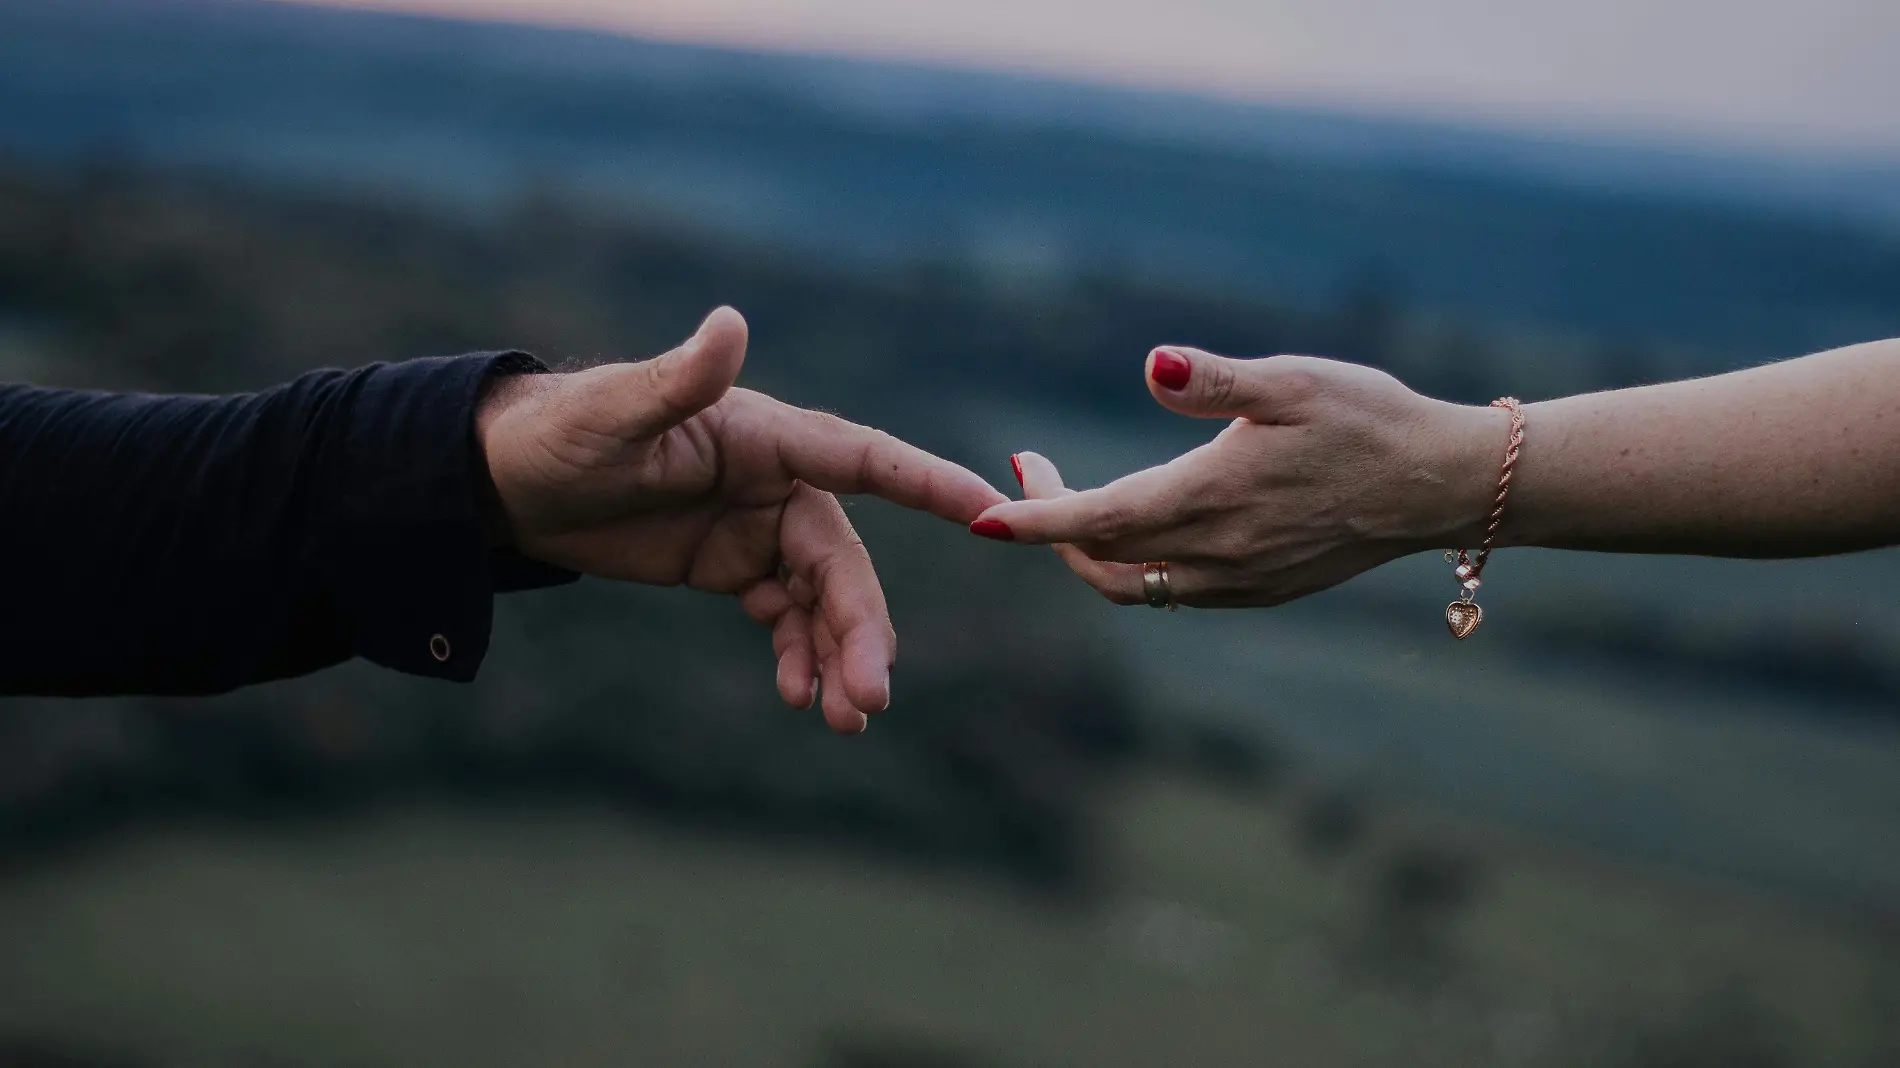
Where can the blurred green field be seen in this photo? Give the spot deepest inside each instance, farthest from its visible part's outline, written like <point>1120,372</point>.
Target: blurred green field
<point>615,848</point>
<point>1225,932</point>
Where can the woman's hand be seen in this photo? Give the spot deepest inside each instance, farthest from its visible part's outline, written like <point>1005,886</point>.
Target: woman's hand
<point>662,473</point>
<point>1327,469</point>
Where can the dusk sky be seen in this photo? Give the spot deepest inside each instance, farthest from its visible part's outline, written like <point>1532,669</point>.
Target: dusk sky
<point>1816,72</point>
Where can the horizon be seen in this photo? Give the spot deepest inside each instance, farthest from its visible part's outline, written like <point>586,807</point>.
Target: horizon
<point>1774,79</point>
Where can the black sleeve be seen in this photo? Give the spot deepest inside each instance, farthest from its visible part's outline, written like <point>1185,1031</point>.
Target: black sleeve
<point>191,545</point>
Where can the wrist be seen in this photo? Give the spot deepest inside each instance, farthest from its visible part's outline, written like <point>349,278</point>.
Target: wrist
<point>1464,462</point>
<point>499,413</point>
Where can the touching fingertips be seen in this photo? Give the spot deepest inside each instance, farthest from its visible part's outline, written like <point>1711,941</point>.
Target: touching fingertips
<point>1171,370</point>
<point>1016,465</point>
<point>994,529</point>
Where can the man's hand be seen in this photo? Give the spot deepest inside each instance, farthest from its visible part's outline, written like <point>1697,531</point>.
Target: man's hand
<point>662,473</point>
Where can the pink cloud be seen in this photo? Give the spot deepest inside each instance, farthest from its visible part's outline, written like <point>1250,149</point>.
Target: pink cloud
<point>1819,72</point>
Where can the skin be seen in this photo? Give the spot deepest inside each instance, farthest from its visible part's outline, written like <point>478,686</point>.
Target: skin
<point>662,473</point>
<point>1328,469</point>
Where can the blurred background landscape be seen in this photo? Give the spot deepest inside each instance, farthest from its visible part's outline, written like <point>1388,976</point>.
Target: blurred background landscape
<point>1649,818</point>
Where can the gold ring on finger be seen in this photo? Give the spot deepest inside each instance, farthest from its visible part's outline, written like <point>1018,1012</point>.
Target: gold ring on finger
<point>1155,587</point>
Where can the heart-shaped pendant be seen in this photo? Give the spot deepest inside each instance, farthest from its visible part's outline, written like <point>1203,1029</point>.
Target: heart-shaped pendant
<point>1463,617</point>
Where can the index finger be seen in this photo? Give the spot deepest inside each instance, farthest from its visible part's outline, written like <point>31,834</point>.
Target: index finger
<point>839,456</point>
<point>1141,503</point>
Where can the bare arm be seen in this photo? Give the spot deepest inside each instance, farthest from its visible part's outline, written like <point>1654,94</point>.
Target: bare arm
<point>1793,459</point>
<point>1326,469</point>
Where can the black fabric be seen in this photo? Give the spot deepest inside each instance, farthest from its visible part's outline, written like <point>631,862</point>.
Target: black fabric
<point>192,545</point>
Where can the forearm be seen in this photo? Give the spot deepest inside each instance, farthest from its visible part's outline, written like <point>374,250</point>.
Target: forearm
<point>1798,458</point>
<point>196,544</point>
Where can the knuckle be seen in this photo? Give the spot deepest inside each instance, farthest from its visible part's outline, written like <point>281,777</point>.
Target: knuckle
<point>822,577</point>
<point>657,373</point>
<point>1110,522</point>
<point>661,380</point>
<point>874,450</point>
<point>1296,379</point>
<point>1220,383</point>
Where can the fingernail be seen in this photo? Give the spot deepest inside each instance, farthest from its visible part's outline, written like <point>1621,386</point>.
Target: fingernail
<point>992,528</point>
<point>1172,370</point>
<point>1016,465</point>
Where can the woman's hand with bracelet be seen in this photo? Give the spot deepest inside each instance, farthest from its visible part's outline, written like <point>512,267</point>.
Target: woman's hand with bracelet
<point>1326,470</point>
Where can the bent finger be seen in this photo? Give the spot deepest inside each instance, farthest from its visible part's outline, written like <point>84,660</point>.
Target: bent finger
<point>822,549</point>
<point>770,603</point>
<point>1119,583</point>
<point>766,600</point>
<point>841,715</point>
<point>797,662</point>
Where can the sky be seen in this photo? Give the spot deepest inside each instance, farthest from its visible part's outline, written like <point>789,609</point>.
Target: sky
<point>1798,73</point>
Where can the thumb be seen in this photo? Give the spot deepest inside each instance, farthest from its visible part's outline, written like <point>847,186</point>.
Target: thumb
<point>653,396</point>
<point>1206,386</point>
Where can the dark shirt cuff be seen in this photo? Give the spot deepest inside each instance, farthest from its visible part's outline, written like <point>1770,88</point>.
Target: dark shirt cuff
<point>411,568</point>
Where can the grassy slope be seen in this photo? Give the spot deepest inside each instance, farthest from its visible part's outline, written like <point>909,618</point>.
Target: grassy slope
<point>424,937</point>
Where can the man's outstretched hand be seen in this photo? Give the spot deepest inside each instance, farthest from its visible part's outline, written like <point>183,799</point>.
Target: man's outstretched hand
<point>662,473</point>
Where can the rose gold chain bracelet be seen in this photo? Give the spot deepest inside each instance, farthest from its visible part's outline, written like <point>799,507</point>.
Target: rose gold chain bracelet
<point>1464,614</point>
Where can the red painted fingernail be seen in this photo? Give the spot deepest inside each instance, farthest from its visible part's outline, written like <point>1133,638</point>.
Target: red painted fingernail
<point>1172,371</point>
<point>992,528</point>
<point>1017,466</point>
